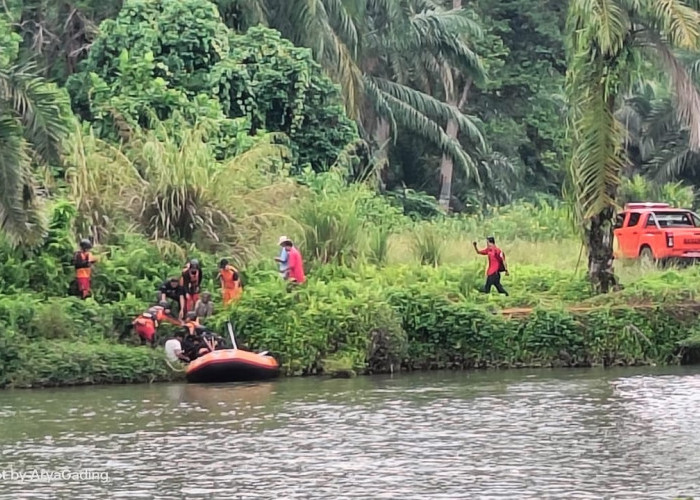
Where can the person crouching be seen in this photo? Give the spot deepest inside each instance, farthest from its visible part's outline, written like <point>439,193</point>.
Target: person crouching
<point>146,325</point>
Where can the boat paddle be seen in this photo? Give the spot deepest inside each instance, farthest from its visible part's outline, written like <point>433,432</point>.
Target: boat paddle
<point>230,332</point>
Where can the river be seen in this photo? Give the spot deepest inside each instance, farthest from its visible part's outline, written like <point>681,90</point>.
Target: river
<point>628,433</point>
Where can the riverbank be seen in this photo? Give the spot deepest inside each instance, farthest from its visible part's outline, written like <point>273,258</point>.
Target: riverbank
<point>368,319</point>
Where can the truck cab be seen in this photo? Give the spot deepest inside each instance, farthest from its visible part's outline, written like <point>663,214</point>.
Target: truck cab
<point>656,231</point>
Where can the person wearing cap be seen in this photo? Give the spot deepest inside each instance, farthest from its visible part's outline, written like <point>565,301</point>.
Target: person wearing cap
<point>283,258</point>
<point>295,264</point>
<point>83,261</point>
<point>497,265</point>
<point>146,325</point>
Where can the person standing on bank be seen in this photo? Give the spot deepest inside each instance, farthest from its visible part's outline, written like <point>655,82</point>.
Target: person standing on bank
<point>283,258</point>
<point>295,263</point>
<point>497,265</point>
<point>83,260</point>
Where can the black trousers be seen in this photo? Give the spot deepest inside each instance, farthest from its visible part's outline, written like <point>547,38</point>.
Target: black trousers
<point>494,280</point>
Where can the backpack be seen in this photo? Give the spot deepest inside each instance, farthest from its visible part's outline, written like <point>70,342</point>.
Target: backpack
<point>501,265</point>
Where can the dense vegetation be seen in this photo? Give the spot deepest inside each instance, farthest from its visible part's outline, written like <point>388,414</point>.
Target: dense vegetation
<point>163,129</point>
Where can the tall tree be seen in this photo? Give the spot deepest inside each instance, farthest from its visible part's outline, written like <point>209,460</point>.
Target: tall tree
<point>33,122</point>
<point>374,49</point>
<point>606,38</point>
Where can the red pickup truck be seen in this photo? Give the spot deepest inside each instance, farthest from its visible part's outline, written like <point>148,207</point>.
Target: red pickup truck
<point>655,231</point>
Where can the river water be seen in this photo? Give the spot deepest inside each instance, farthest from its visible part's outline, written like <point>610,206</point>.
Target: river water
<point>499,434</point>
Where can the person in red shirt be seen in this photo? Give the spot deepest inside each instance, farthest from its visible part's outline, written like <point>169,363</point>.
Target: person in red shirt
<point>295,264</point>
<point>497,265</point>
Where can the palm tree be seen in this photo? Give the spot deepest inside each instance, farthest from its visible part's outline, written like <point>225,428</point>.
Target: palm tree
<point>657,142</point>
<point>376,49</point>
<point>33,122</point>
<point>605,40</point>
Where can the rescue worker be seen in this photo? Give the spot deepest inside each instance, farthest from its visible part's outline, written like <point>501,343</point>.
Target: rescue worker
<point>230,280</point>
<point>496,266</point>
<point>163,313</point>
<point>146,325</point>
<point>83,261</point>
<point>171,290</point>
<point>191,282</point>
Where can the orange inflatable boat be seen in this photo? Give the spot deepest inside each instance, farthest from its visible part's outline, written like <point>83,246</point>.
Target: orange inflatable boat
<point>231,365</point>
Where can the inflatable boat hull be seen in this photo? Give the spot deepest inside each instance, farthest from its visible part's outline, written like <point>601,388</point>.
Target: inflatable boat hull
<point>231,365</point>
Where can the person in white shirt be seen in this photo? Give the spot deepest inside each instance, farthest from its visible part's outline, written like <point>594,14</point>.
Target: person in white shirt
<point>173,349</point>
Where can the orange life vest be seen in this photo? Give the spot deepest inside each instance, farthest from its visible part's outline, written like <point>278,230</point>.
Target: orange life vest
<point>191,326</point>
<point>147,318</point>
<point>228,278</point>
<point>190,281</point>
<point>82,262</point>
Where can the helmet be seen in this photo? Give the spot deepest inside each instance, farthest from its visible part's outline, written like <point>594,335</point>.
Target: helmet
<point>191,315</point>
<point>85,244</point>
<point>194,264</point>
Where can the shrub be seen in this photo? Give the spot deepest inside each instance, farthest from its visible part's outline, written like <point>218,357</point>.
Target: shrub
<point>429,246</point>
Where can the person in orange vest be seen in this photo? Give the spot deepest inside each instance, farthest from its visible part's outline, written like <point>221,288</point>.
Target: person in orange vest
<point>83,261</point>
<point>191,282</point>
<point>231,288</point>
<point>146,325</point>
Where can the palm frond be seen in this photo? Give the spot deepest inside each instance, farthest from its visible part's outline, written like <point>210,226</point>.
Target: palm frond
<point>431,108</point>
<point>603,23</point>
<point>598,157</point>
<point>343,25</point>
<point>39,105</point>
<point>672,161</point>
<point>418,123</point>
<point>380,106</point>
<point>685,92</point>
<point>442,32</point>
<point>13,160</point>
<point>678,21</point>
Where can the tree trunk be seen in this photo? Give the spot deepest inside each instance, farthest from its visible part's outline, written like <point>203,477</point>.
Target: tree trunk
<point>447,164</point>
<point>599,240</point>
<point>382,134</point>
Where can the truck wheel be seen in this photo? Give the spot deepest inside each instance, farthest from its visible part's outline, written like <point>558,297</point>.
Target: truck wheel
<point>646,257</point>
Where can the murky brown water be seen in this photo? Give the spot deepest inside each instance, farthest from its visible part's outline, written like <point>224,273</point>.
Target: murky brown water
<point>518,434</point>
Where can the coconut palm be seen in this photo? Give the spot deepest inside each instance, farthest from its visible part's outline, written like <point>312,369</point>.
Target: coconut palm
<point>606,38</point>
<point>374,49</point>
<point>32,125</point>
<point>657,142</point>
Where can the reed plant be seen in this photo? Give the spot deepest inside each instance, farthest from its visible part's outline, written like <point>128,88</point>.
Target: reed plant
<point>429,245</point>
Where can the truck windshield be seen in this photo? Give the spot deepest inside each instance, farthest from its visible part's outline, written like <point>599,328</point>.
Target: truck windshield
<point>675,219</point>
